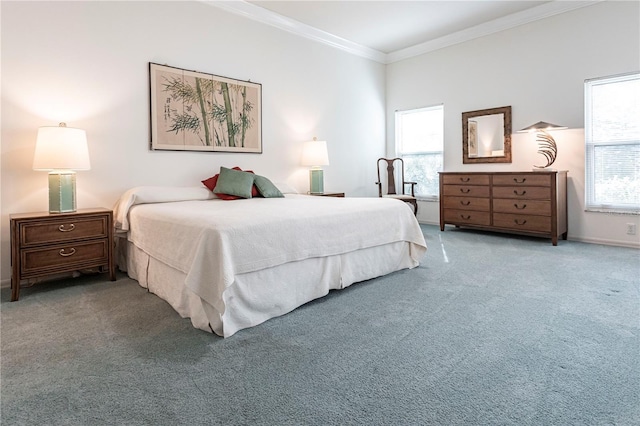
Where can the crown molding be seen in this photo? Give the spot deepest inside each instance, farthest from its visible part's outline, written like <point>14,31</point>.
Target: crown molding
<point>257,13</point>
<point>265,16</point>
<point>543,11</point>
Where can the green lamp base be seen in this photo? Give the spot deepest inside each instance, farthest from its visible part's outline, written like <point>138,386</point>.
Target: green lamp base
<point>62,192</point>
<point>316,180</point>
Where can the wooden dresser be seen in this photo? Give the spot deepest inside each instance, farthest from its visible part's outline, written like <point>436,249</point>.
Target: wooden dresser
<point>531,203</point>
<point>50,243</point>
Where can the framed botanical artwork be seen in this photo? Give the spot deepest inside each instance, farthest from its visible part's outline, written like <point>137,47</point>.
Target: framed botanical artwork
<point>194,111</point>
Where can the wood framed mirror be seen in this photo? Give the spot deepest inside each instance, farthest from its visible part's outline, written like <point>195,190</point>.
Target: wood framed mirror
<point>486,136</point>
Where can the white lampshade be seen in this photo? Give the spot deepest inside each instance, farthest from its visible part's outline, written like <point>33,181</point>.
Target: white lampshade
<point>314,153</point>
<point>61,148</point>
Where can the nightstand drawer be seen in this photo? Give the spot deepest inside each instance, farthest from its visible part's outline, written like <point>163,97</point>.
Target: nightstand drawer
<point>522,222</point>
<point>63,257</point>
<point>63,229</point>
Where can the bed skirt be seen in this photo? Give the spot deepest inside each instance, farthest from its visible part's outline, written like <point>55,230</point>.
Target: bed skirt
<point>255,297</point>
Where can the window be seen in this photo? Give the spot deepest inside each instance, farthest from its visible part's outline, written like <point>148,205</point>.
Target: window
<point>419,142</point>
<point>612,143</point>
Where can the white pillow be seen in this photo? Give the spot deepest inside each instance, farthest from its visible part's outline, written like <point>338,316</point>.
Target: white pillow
<point>155,194</point>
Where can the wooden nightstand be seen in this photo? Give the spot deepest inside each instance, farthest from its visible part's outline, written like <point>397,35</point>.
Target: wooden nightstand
<point>50,243</point>
<point>329,194</point>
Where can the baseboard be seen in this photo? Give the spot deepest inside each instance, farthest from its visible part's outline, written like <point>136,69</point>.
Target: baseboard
<point>6,283</point>
<point>627,244</point>
<point>605,242</point>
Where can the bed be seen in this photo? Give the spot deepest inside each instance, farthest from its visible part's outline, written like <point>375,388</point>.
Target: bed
<point>229,265</point>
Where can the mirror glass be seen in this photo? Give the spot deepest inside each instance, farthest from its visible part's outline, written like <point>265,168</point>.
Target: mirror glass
<point>486,136</point>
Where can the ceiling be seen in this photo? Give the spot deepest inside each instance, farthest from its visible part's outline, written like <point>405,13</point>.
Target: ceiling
<point>387,26</point>
<point>387,31</point>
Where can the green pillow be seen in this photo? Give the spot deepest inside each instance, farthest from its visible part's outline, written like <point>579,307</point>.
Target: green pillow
<point>234,182</point>
<point>266,188</point>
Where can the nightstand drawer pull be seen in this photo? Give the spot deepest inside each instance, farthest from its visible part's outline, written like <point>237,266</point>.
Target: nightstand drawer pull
<point>465,190</point>
<point>465,179</point>
<point>465,203</point>
<point>467,217</point>
<point>71,252</point>
<point>515,191</point>
<point>62,228</point>
<point>516,180</point>
<point>518,222</point>
<point>524,206</point>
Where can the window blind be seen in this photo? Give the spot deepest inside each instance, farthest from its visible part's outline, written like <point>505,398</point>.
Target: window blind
<point>612,143</point>
<point>419,142</point>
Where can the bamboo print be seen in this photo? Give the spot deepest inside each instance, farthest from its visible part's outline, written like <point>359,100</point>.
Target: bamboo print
<point>243,116</point>
<point>194,110</point>
<point>228,114</point>
<point>203,111</point>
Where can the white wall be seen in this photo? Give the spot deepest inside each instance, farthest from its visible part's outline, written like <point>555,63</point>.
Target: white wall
<point>539,69</point>
<point>86,63</point>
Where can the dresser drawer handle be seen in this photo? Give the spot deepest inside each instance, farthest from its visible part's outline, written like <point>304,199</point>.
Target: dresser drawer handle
<point>518,222</point>
<point>465,203</point>
<point>519,181</point>
<point>465,190</point>
<point>465,179</point>
<point>465,217</point>
<point>524,206</point>
<point>515,191</point>
<point>71,252</point>
<point>62,228</point>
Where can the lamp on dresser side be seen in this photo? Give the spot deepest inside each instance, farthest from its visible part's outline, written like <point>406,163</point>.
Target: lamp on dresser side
<point>546,144</point>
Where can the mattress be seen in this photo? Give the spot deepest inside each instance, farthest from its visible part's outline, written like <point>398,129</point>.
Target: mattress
<point>230,265</point>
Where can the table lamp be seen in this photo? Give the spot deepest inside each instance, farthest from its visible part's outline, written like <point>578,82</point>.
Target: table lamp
<point>546,144</point>
<point>314,154</point>
<point>61,150</point>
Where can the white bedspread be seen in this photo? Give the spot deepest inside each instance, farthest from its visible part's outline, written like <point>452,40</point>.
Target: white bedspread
<point>213,240</point>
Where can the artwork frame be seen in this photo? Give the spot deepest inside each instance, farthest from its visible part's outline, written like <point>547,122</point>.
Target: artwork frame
<point>196,111</point>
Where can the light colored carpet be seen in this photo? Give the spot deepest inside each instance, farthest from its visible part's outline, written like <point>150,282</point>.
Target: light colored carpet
<point>490,329</point>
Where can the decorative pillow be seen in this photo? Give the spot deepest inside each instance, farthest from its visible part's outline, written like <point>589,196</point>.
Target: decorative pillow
<point>213,180</point>
<point>234,182</point>
<point>266,188</point>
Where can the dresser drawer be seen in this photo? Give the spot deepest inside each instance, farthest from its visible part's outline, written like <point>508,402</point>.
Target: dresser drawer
<point>466,203</point>
<point>523,180</point>
<point>522,222</point>
<point>63,257</point>
<point>462,179</point>
<point>466,191</point>
<point>533,207</point>
<point>522,193</point>
<point>63,229</point>
<point>467,217</point>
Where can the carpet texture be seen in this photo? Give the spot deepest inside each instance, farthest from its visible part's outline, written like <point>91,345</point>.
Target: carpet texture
<point>490,330</point>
